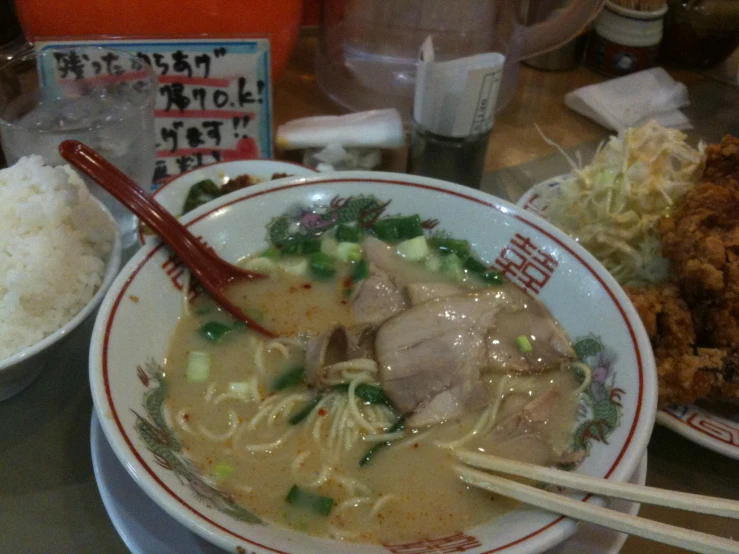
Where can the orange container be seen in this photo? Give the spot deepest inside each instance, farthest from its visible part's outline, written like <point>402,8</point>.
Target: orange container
<point>280,19</point>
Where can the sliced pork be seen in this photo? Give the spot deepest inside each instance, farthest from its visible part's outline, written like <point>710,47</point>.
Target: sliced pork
<point>337,344</point>
<point>378,298</point>
<point>443,344</point>
<point>419,293</point>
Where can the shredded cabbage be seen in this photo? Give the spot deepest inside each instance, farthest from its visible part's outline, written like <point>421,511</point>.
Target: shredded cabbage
<point>611,207</point>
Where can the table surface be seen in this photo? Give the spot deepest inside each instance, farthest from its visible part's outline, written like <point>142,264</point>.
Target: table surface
<point>48,497</point>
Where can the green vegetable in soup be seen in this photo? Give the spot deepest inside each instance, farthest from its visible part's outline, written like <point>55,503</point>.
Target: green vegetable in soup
<point>347,233</point>
<point>371,394</point>
<point>198,366</point>
<point>524,345</point>
<point>399,425</point>
<point>360,271</point>
<point>475,265</point>
<point>322,266</point>
<point>397,229</point>
<point>349,252</point>
<point>199,194</point>
<point>311,501</point>
<point>415,249</point>
<point>222,471</point>
<point>214,331</point>
<point>493,277</point>
<point>271,252</point>
<point>301,246</point>
<point>290,378</point>
<point>451,246</point>
<point>305,411</point>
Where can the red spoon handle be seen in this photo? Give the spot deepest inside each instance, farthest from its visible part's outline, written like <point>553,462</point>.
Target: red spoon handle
<point>212,271</point>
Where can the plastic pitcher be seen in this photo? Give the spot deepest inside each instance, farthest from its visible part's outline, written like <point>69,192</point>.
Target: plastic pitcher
<point>368,48</point>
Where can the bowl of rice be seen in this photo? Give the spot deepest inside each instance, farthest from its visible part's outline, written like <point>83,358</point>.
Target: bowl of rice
<point>59,252</point>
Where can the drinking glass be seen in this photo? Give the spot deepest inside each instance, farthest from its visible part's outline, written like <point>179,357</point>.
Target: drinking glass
<point>98,96</point>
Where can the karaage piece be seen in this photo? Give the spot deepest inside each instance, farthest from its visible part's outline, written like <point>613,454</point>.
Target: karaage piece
<point>722,162</point>
<point>701,240</point>
<point>685,373</point>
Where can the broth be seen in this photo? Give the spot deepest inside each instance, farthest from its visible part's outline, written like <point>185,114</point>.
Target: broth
<point>236,427</point>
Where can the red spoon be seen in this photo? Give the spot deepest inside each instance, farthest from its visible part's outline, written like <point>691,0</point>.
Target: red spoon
<point>214,273</point>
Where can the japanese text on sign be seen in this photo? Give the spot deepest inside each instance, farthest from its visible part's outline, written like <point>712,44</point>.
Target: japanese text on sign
<point>213,99</point>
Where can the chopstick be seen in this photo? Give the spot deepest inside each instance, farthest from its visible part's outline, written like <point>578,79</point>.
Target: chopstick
<point>626,523</point>
<point>637,493</point>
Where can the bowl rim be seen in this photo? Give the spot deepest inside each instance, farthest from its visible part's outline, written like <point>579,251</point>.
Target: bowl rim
<point>173,178</point>
<point>544,537</point>
<point>112,265</point>
<point>170,183</point>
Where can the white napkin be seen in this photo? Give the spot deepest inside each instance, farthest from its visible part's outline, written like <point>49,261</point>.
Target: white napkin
<point>632,100</point>
<point>371,129</point>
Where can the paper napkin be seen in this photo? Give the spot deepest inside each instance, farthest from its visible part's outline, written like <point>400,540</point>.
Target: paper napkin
<point>371,129</point>
<point>632,100</point>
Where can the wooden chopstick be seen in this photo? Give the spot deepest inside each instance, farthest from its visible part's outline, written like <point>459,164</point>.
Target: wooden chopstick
<point>576,509</point>
<point>583,511</point>
<point>637,493</point>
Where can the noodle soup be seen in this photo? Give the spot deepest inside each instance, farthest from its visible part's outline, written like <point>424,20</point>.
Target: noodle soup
<point>391,356</point>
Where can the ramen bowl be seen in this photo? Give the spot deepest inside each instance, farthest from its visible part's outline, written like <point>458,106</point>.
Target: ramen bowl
<point>137,318</point>
<point>173,193</point>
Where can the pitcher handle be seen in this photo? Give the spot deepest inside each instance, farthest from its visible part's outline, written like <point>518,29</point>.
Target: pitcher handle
<point>560,28</point>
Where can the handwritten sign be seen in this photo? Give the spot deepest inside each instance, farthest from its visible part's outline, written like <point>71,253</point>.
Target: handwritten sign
<point>213,100</point>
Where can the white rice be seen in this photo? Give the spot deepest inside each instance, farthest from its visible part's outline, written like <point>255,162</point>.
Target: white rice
<point>54,242</point>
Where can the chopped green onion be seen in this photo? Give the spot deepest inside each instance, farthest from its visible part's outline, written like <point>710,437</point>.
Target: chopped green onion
<point>371,394</point>
<point>415,249</point>
<point>239,387</point>
<point>214,331</point>
<point>289,378</point>
<point>305,411</point>
<point>360,271</point>
<point>222,471</point>
<point>399,425</point>
<point>294,266</point>
<point>451,246</point>
<point>396,229</point>
<point>432,263</point>
<point>311,501</point>
<point>198,366</point>
<point>271,252</point>
<point>199,194</point>
<point>347,233</point>
<point>322,266</point>
<point>299,246</point>
<point>349,252</point>
<point>260,264</point>
<point>475,265</point>
<point>329,246</point>
<point>451,265</point>
<point>524,345</point>
<point>493,277</point>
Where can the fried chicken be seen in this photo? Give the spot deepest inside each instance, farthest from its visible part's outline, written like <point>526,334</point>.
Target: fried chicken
<point>685,372</point>
<point>721,162</point>
<point>693,321</point>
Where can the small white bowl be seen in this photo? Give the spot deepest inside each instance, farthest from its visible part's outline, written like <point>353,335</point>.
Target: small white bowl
<point>172,194</point>
<point>20,369</point>
<point>141,309</point>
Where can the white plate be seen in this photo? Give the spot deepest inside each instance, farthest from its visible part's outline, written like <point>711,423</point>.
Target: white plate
<point>146,528</point>
<point>695,423</point>
<point>172,194</point>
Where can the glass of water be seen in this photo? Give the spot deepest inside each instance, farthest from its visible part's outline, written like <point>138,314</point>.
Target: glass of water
<point>98,96</point>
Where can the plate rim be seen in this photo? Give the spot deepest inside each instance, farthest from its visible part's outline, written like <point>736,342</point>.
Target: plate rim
<point>664,417</point>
